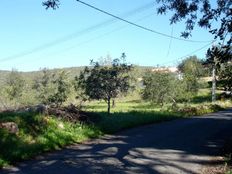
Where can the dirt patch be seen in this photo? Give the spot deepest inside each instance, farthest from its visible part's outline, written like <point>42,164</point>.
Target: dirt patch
<point>219,168</point>
<point>224,163</point>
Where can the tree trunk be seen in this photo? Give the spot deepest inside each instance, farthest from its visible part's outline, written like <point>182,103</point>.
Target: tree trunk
<point>108,102</point>
<point>214,84</point>
<point>113,103</point>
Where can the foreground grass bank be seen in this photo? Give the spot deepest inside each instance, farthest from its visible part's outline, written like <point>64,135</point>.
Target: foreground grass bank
<point>40,133</point>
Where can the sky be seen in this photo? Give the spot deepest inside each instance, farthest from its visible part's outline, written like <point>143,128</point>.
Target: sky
<point>32,37</point>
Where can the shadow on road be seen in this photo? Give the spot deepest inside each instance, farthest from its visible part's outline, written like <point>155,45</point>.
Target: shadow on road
<point>180,146</point>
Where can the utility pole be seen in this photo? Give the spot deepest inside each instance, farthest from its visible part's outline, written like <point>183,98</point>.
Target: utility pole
<point>214,77</point>
<point>214,83</point>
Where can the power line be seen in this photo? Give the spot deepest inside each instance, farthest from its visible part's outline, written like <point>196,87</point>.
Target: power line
<point>137,25</point>
<point>75,34</point>
<point>97,37</point>
<point>189,54</point>
<point>170,43</point>
<point>63,51</point>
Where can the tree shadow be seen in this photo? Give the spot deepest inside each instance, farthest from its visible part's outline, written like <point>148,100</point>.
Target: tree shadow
<point>95,107</point>
<point>119,121</point>
<point>200,99</point>
<point>134,101</point>
<point>179,146</point>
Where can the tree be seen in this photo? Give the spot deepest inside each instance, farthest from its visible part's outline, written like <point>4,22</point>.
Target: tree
<point>62,89</point>
<point>44,86</point>
<point>159,87</point>
<point>14,85</point>
<point>192,69</point>
<point>51,4</point>
<point>225,76</point>
<point>191,65</point>
<point>215,18</point>
<point>52,88</point>
<point>80,93</point>
<point>215,57</point>
<point>105,82</point>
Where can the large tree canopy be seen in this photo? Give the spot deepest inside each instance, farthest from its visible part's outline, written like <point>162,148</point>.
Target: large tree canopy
<point>105,82</point>
<point>214,16</point>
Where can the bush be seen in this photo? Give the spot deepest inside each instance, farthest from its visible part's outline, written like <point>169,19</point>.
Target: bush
<point>38,133</point>
<point>199,110</point>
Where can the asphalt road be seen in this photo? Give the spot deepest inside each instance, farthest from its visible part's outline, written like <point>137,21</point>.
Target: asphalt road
<point>180,146</point>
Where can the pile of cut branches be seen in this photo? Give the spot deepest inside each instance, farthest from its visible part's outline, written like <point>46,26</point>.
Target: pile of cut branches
<point>72,114</point>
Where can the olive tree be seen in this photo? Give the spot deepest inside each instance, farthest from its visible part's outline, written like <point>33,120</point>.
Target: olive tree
<point>105,82</point>
<point>61,89</point>
<point>215,57</point>
<point>44,86</point>
<point>160,87</point>
<point>191,69</point>
<point>52,87</point>
<point>215,17</point>
<point>225,76</point>
<point>14,85</point>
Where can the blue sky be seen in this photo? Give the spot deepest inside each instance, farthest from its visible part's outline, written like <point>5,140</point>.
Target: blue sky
<point>34,38</point>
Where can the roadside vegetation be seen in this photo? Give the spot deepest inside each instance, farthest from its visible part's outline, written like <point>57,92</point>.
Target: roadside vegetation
<point>52,109</point>
<point>38,133</point>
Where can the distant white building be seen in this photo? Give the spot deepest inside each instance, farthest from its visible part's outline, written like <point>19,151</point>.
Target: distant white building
<point>173,70</point>
<point>166,69</point>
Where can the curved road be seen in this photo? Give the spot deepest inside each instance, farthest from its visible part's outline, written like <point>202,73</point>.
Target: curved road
<point>180,146</point>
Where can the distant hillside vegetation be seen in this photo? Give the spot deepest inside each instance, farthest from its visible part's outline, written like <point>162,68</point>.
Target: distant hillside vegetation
<point>72,72</point>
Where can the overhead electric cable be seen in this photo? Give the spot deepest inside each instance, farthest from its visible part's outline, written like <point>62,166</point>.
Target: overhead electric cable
<point>189,54</point>
<point>170,43</point>
<point>137,25</point>
<point>97,37</point>
<point>75,34</point>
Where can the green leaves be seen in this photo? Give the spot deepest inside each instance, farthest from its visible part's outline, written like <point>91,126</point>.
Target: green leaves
<point>159,87</point>
<point>202,13</point>
<point>192,69</point>
<point>62,89</point>
<point>52,88</point>
<point>105,82</point>
<point>225,77</point>
<point>14,85</point>
<point>218,55</point>
<point>162,86</point>
<point>43,85</point>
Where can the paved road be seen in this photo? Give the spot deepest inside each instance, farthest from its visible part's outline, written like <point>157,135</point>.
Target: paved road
<point>180,146</point>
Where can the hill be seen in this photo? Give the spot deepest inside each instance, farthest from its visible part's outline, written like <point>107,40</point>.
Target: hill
<point>72,72</point>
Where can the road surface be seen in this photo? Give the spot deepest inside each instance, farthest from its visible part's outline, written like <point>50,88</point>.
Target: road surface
<point>179,146</point>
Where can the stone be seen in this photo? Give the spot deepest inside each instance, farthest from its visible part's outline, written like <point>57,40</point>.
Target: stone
<point>61,126</point>
<point>41,108</point>
<point>10,127</point>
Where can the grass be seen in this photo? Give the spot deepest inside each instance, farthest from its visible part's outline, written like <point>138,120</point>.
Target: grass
<point>227,153</point>
<point>41,133</point>
<point>38,134</point>
<point>202,104</point>
<point>228,161</point>
<point>118,121</point>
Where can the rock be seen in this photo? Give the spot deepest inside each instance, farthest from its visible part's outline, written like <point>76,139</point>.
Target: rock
<point>45,120</point>
<point>41,109</point>
<point>10,127</point>
<point>61,126</point>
